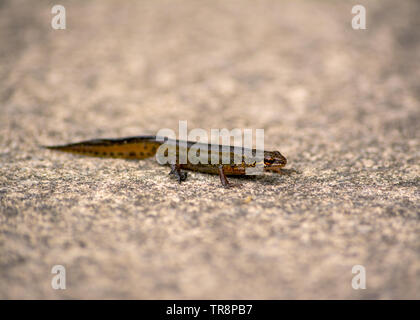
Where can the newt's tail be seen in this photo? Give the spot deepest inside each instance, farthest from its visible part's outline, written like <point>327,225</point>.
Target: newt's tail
<point>126,148</point>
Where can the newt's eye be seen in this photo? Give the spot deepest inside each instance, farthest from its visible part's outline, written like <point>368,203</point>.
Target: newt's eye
<point>269,161</point>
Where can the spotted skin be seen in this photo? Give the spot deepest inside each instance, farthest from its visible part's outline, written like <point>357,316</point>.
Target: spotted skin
<point>144,147</point>
<point>127,148</point>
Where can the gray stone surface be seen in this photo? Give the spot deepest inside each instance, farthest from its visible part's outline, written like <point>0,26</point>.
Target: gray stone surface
<point>341,105</point>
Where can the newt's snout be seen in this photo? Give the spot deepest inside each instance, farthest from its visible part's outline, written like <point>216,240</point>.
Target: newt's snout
<point>274,160</point>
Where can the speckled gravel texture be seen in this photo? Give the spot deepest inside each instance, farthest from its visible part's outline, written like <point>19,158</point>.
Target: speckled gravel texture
<point>342,105</point>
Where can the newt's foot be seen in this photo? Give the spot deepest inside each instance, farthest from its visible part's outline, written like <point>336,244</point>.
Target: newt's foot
<point>178,173</point>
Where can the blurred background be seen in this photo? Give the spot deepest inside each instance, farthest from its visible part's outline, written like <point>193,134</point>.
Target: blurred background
<point>341,104</point>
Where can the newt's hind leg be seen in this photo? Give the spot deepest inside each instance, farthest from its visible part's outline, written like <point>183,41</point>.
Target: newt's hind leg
<point>178,173</point>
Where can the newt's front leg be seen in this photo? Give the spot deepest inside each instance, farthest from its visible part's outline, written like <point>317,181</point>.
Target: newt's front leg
<point>178,173</point>
<point>223,178</point>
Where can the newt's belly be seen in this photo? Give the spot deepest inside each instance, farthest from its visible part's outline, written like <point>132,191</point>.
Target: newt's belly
<point>230,170</point>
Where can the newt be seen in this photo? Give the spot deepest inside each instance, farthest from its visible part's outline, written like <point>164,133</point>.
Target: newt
<point>143,147</point>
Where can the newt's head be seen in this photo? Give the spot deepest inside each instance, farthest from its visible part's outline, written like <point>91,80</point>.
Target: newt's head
<point>273,160</point>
